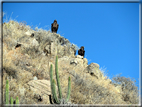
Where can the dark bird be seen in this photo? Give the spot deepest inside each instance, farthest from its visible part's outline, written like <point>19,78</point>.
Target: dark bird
<point>81,51</point>
<point>54,26</point>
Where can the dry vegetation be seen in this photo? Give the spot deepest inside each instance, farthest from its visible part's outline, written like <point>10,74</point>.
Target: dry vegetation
<point>92,93</point>
<point>129,89</point>
<point>83,92</point>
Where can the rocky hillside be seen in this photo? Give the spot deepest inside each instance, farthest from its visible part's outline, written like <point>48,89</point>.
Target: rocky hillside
<point>27,56</point>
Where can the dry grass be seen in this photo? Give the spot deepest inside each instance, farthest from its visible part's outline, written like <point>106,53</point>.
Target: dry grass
<point>15,32</point>
<point>85,89</point>
<point>91,92</point>
<point>129,89</point>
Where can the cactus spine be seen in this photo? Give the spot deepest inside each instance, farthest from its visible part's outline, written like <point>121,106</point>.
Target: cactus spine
<point>7,92</point>
<point>53,88</point>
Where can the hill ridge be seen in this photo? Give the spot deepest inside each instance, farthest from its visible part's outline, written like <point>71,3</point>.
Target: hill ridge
<point>27,56</point>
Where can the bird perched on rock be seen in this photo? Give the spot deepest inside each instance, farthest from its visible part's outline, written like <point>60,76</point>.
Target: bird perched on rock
<point>81,51</point>
<point>54,26</point>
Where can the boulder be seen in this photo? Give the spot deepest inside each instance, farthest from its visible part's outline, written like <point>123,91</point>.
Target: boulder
<point>93,69</point>
<point>41,88</point>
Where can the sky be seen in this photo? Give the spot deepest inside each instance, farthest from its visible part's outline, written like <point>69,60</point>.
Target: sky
<point>108,31</point>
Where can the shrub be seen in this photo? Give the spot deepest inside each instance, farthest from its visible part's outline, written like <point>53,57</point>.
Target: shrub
<point>129,89</point>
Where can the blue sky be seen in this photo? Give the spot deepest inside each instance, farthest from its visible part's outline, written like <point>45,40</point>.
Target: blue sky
<point>108,31</point>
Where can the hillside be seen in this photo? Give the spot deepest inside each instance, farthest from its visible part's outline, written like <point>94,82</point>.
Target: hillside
<point>27,56</point>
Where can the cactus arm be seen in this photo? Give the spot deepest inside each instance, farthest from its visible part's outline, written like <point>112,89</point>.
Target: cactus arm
<point>54,92</point>
<point>51,75</point>
<point>11,100</point>
<point>17,100</point>
<point>51,78</point>
<point>57,78</point>
<point>7,92</point>
<point>69,89</point>
<point>52,84</point>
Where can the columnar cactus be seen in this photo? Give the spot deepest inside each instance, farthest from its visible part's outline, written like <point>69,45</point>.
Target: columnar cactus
<point>57,78</point>
<point>17,100</point>
<point>69,89</point>
<point>53,88</point>
<point>7,95</point>
<point>7,92</point>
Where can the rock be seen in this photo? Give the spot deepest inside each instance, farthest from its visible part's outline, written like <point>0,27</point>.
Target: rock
<point>78,56</point>
<point>35,78</point>
<point>93,69</point>
<point>47,49</point>
<point>73,61</point>
<point>34,42</point>
<point>28,33</point>
<point>60,51</point>
<point>96,65</point>
<point>41,88</point>
<point>53,49</point>
<point>85,62</point>
<point>28,42</point>
<point>43,75</point>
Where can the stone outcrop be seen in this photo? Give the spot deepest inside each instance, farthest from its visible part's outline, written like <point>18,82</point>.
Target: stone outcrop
<point>93,69</point>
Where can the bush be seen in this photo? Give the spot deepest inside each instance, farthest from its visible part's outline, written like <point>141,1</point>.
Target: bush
<point>129,89</point>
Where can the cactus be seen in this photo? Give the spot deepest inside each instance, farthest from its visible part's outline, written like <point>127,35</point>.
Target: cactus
<point>7,95</point>
<point>7,92</point>
<point>17,101</point>
<point>54,92</point>
<point>69,89</point>
<point>11,100</point>
<point>58,100</point>
<point>57,78</point>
